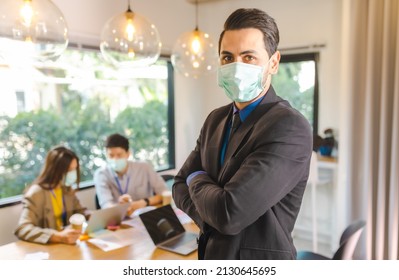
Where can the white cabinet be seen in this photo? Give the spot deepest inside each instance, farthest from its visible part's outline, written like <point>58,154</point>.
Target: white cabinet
<point>316,225</point>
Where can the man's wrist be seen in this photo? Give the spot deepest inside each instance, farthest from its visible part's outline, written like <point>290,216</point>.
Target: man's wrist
<point>192,175</point>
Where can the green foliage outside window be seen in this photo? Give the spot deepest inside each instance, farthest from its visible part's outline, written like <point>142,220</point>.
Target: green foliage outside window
<point>295,83</point>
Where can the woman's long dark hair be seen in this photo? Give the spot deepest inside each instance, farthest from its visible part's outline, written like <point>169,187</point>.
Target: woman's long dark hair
<point>56,166</point>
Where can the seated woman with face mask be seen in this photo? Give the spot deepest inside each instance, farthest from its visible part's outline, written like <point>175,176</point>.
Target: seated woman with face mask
<point>50,201</point>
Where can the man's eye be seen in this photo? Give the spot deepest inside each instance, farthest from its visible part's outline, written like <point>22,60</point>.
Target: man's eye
<point>226,59</point>
<point>249,58</point>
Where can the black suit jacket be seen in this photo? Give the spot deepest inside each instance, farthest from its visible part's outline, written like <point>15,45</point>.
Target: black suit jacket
<point>247,208</point>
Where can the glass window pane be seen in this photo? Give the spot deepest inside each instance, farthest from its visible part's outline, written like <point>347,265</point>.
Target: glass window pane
<point>295,82</point>
<point>78,101</point>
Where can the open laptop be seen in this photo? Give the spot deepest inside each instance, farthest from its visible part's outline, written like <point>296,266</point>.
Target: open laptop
<point>102,218</point>
<point>167,232</point>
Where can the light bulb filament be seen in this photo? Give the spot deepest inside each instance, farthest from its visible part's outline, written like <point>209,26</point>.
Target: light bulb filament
<point>196,45</point>
<point>130,30</point>
<point>26,12</point>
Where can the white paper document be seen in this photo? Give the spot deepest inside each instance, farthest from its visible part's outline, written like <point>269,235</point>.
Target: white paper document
<point>110,240</point>
<point>134,222</point>
<point>37,256</point>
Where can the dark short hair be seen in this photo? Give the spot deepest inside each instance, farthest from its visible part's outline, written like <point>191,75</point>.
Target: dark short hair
<point>254,18</point>
<point>56,165</point>
<point>117,141</point>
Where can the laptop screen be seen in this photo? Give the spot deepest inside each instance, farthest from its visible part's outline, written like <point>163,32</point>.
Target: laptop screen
<point>162,223</point>
<point>100,219</point>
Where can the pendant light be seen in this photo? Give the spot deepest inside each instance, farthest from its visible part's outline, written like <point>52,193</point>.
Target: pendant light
<point>32,29</point>
<point>130,40</point>
<point>194,53</point>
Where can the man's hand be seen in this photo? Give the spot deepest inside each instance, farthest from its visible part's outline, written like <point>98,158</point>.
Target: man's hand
<point>125,198</point>
<point>135,205</point>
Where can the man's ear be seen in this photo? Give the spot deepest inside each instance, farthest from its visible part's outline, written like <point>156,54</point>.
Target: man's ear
<point>274,63</point>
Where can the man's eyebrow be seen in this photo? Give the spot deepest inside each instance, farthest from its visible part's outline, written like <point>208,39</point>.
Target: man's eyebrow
<point>225,52</point>
<point>241,53</point>
<point>248,52</point>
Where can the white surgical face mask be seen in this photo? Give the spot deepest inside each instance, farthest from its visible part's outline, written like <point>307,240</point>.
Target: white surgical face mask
<point>70,178</point>
<point>241,82</point>
<point>118,164</point>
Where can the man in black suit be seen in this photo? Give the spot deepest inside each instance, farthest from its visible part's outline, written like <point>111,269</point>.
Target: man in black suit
<point>243,183</point>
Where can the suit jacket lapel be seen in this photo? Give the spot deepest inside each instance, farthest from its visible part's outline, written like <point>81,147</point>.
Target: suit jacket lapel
<point>217,137</point>
<point>239,137</point>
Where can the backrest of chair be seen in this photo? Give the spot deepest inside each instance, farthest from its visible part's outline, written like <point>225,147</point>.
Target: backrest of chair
<point>169,180</point>
<point>96,202</point>
<point>349,240</point>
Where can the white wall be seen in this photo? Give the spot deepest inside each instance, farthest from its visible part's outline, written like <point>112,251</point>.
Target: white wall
<point>301,22</point>
<point>8,222</point>
<point>86,18</point>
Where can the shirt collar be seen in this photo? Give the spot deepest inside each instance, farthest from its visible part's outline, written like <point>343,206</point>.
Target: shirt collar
<point>244,113</point>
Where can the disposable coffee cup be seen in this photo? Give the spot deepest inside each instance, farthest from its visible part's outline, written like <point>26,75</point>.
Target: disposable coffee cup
<point>166,197</point>
<point>77,221</point>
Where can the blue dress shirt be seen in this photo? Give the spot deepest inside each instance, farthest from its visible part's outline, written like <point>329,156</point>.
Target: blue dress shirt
<point>244,113</point>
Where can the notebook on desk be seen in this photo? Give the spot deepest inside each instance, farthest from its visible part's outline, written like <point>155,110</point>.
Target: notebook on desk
<point>167,232</point>
<point>102,218</point>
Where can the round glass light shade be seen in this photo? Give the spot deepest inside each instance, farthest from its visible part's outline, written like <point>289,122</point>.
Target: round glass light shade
<point>129,40</point>
<point>194,54</point>
<point>32,29</point>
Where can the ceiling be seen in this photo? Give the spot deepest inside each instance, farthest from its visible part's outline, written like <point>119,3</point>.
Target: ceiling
<point>202,1</point>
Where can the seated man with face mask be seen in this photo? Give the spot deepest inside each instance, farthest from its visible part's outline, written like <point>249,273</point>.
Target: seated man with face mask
<point>126,181</point>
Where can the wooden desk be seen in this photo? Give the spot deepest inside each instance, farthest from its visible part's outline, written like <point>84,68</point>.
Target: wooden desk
<point>327,159</point>
<point>83,250</point>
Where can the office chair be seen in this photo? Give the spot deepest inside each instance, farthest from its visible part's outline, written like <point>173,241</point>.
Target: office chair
<point>96,202</point>
<point>347,244</point>
<point>169,179</point>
